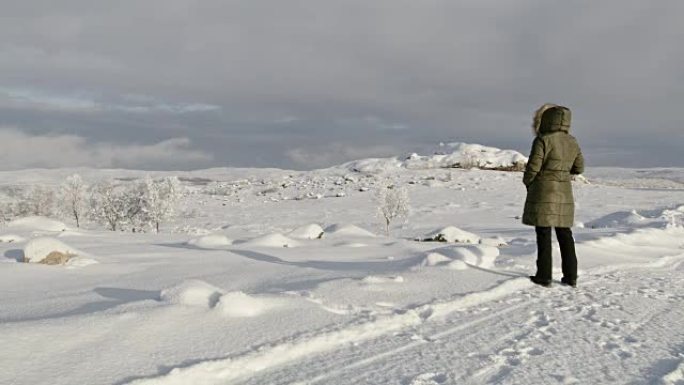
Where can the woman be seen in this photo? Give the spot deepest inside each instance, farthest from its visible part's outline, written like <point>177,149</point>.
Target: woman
<point>554,158</point>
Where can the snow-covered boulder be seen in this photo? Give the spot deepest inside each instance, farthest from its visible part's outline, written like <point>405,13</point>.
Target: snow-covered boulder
<point>237,304</point>
<point>193,293</point>
<point>348,231</point>
<point>49,251</point>
<point>272,240</point>
<point>11,238</point>
<point>36,223</point>
<point>451,234</point>
<point>312,231</point>
<point>214,241</point>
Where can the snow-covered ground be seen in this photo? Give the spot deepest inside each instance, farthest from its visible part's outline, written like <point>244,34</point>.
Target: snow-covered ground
<point>244,289</point>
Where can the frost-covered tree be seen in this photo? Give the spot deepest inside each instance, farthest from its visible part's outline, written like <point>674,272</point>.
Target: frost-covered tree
<point>40,200</point>
<point>74,197</point>
<point>393,203</point>
<point>115,205</point>
<point>159,200</point>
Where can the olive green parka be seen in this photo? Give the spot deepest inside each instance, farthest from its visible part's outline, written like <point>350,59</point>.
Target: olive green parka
<point>554,158</point>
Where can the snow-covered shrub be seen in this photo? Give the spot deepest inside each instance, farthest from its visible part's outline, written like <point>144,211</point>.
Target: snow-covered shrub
<point>393,203</point>
<point>74,197</point>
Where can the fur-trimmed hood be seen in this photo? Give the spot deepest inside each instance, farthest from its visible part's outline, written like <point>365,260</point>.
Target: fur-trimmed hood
<point>559,120</point>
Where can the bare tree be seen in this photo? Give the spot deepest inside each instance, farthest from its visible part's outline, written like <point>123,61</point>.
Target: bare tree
<point>74,197</point>
<point>393,203</point>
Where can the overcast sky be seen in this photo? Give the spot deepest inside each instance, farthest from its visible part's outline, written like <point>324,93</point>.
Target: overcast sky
<point>181,84</point>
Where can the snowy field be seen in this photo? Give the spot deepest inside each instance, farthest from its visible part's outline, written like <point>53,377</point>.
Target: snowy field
<point>282,277</point>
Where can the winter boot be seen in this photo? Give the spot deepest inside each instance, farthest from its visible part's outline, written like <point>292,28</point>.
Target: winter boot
<point>569,282</point>
<point>539,281</point>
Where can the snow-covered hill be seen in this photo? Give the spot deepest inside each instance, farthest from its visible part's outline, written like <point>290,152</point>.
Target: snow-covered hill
<point>283,277</point>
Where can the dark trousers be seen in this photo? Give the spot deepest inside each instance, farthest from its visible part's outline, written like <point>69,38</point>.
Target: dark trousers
<point>544,252</point>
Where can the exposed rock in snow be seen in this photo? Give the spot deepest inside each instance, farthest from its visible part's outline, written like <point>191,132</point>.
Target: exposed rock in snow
<point>192,293</point>
<point>214,241</point>
<point>348,231</point>
<point>272,240</point>
<point>312,231</point>
<point>11,238</point>
<point>240,305</point>
<point>451,234</point>
<point>49,251</point>
<point>36,223</point>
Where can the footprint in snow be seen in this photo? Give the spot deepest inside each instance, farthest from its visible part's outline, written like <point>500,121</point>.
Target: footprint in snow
<point>427,379</point>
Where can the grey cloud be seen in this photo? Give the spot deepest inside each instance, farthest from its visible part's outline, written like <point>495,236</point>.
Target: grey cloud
<point>19,150</point>
<point>278,76</point>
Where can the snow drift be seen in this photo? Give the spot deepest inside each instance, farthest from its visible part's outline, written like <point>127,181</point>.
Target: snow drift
<point>214,241</point>
<point>37,223</point>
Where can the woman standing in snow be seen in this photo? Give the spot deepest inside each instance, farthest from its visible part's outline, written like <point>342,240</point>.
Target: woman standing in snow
<point>554,158</point>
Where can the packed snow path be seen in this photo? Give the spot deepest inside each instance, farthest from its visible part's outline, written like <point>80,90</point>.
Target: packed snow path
<point>609,330</point>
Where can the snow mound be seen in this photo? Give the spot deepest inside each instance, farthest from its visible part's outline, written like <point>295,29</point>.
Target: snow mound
<point>493,241</point>
<point>37,224</point>
<point>214,241</point>
<point>355,245</point>
<point>193,293</point>
<point>348,231</point>
<point>434,259</point>
<point>378,279</point>
<point>618,219</point>
<point>11,238</point>
<point>457,264</point>
<point>373,165</point>
<point>240,305</point>
<point>464,155</point>
<point>312,231</point>
<point>78,262</point>
<point>48,251</point>
<point>480,256</point>
<point>272,240</point>
<point>452,234</point>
